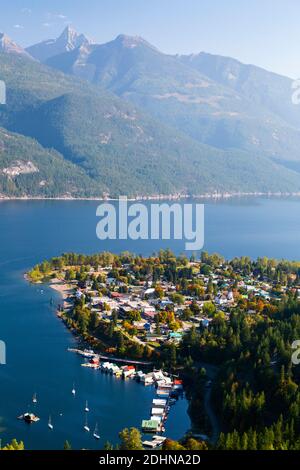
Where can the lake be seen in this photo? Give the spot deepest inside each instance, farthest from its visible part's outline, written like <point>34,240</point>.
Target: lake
<point>37,342</point>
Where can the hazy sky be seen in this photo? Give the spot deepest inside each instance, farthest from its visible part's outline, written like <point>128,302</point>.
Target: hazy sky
<point>262,32</point>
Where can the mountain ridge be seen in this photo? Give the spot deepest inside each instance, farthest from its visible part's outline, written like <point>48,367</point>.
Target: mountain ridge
<point>113,132</point>
<point>8,46</point>
<point>257,116</point>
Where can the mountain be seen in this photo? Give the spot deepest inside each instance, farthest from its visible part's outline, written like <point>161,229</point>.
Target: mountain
<point>267,89</point>
<point>66,42</point>
<point>253,113</point>
<point>141,123</point>
<point>111,146</point>
<point>8,46</point>
<point>28,169</point>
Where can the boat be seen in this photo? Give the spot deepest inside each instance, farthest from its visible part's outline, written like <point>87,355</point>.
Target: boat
<point>157,441</point>
<point>73,390</point>
<point>96,434</point>
<point>29,418</point>
<point>34,398</point>
<point>86,409</point>
<point>50,425</point>
<point>86,427</point>
<point>151,444</point>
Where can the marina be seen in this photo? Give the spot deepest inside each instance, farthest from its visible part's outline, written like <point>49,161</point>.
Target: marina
<point>166,391</point>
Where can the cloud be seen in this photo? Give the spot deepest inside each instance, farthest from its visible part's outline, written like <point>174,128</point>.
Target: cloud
<point>56,16</point>
<point>26,11</point>
<point>47,25</point>
<point>18,26</point>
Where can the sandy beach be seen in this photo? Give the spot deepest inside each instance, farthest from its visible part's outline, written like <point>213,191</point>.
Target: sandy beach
<point>64,289</point>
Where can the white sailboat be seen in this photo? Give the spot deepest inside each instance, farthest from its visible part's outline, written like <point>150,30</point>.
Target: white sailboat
<point>73,390</point>
<point>86,409</point>
<point>96,434</point>
<point>86,427</point>
<point>50,425</point>
<point>34,398</point>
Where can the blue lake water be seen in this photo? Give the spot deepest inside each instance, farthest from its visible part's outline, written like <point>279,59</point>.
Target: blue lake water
<point>37,342</point>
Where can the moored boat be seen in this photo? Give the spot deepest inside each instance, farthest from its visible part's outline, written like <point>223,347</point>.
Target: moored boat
<point>86,426</point>
<point>50,425</point>
<point>29,418</point>
<point>96,434</point>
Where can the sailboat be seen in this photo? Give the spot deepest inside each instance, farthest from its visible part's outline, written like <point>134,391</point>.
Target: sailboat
<point>34,398</point>
<point>96,434</point>
<point>73,390</point>
<point>86,427</point>
<point>50,425</point>
<point>86,409</point>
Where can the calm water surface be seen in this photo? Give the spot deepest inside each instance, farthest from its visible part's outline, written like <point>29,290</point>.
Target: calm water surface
<point>37,342</point>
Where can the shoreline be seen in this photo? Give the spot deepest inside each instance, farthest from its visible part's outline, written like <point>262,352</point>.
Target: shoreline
<point>62,288</point>
<point>159,197</point>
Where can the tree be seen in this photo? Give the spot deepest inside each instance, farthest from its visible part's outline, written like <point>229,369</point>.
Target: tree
<point>209,309</point>
<point>108,446</point>
<point>193,444</point>
<point>172,445</point>
<point>120,343</point>
<point>130,439</point>
<point>173,356</point>
<point>14,445</point>
<point>177,299</point>
<point>67,445</point>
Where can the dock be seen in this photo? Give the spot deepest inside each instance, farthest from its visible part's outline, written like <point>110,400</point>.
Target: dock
<point>86,353</point>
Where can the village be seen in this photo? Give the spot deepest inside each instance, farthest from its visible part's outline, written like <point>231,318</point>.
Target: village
<point>156,312</point>
<point>143,318</point>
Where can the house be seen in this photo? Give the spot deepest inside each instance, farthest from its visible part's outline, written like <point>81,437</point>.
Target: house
<point>149,292</point>
<point>205,322</point>
<point>150,425</point>
<point>176,335</point>
<point>128,371</point>
<point>147,379</point>
<point>115,295</point>
<point>78,294</point>
<point>149,312</point>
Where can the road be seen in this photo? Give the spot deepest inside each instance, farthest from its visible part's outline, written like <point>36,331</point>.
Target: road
<point>211,372</point>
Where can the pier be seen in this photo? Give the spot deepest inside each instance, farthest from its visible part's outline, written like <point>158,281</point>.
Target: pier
<point>110,358</point>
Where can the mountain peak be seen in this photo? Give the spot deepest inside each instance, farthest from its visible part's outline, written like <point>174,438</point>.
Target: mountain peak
<point>69,33</point>
<point>8,46</point>
<point>132,41</point>
<point>69,40</point>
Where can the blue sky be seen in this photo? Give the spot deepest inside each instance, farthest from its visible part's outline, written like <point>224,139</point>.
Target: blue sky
<point>263,32</point>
